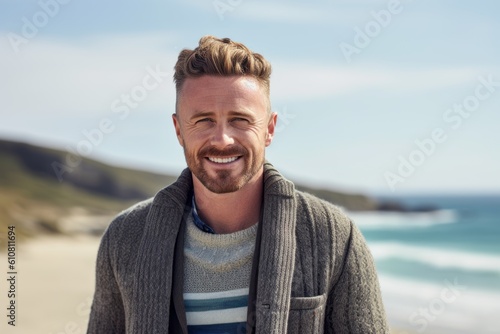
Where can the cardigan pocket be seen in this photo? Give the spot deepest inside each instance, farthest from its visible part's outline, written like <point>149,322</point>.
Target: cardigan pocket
<point>306,315</point>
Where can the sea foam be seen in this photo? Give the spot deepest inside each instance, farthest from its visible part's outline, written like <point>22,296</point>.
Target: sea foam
<point>400,220</point>
<point>470,311</point>
<point>440,258</point>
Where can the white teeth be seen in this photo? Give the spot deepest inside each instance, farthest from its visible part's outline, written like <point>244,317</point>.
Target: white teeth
<point>222,160</point>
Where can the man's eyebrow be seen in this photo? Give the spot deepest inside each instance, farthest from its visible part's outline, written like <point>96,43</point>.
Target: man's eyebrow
<point>240,113</point>
<point>199,114</point>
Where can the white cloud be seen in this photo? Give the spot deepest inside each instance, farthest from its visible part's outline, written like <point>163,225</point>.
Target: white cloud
<point>55,77</point>
<point>304,80</point>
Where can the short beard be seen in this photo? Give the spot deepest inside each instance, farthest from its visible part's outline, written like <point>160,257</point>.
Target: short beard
<point>224,182</point>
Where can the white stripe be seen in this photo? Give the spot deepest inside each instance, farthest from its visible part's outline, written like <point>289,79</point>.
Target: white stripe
<point>217,316</point>
<point>218,294</point>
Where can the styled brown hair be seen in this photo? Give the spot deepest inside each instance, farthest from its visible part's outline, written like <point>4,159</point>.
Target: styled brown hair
<point>222,57</point>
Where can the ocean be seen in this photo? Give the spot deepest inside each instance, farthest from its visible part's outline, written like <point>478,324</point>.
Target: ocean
<point>439,271</point>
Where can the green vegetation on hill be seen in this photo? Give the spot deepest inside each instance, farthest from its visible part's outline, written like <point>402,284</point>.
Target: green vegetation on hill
<point>33,198</point>
<point>39,187</point>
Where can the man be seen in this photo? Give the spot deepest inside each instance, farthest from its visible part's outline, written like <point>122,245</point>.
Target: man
<point>231,246</point>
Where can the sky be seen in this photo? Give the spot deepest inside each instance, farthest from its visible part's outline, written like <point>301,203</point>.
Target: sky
<point>381,97</point>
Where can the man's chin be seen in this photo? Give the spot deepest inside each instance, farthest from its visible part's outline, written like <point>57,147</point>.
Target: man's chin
<point>223,183</point>
<point>221,187</point>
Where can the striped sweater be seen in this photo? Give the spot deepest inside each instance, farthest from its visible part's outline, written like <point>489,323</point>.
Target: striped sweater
<point>217,271</point>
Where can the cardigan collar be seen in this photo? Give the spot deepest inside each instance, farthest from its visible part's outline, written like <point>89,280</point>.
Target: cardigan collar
<point>159,273</point>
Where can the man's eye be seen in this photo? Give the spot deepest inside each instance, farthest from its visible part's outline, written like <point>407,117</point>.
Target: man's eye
<point>202,120</point>
<point>239,119</point>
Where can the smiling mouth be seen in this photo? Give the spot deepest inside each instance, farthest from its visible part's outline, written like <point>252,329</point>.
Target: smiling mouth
<point>223,160</point>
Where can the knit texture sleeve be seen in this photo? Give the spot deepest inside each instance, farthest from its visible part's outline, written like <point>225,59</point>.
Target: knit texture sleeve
<point>107,313</point>
<point>355,304</point>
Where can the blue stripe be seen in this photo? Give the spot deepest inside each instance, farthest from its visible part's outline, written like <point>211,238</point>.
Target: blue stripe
<point>200,305</point>
<point>232,328</point>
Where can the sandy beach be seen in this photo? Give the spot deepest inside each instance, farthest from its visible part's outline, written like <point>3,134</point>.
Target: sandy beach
<point>55,285</point>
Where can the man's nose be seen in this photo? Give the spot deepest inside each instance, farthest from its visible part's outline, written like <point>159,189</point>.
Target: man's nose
<point>222,136</point>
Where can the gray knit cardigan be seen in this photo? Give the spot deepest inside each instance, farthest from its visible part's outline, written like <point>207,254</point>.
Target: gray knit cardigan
<point>312,271</point>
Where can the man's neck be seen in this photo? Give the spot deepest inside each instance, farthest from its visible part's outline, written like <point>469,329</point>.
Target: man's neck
<point>231,212</point>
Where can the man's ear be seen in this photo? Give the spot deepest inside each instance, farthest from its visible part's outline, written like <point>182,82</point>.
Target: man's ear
<point>177,127</point>
<point>271,127</point>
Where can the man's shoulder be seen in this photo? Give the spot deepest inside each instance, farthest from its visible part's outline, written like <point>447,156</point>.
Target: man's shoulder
<point>130,223</point>
<point>310,208</point>
<point>322,216</point>
<point>137,211</point>
<point>320,207</point>
<point>131,218</point>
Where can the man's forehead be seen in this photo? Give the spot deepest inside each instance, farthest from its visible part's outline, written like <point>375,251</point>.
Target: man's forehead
<point>222,92</point>
<point>250,83</point>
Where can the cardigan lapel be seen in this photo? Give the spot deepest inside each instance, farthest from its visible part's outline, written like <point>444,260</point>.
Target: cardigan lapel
<point>277,254</point>
<point>178,320</point>
<point>153,278</point>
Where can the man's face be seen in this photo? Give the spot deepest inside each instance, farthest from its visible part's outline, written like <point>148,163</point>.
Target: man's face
<point>224,125</point>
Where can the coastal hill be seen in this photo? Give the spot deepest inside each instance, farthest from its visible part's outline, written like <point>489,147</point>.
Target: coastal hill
<point>44,190</point>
